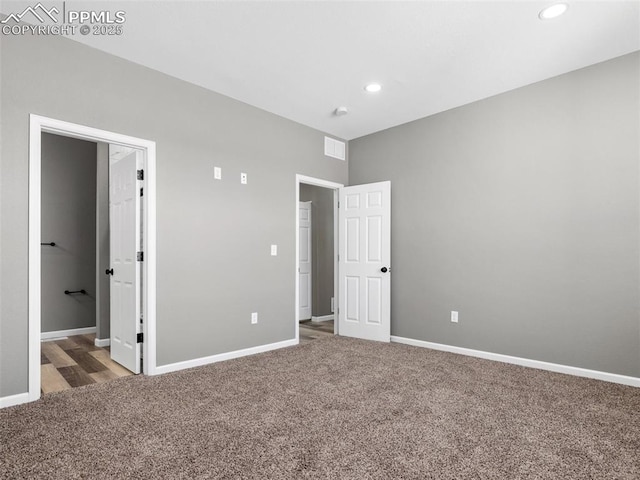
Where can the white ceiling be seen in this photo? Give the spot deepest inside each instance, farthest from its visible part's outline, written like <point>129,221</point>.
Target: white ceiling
<point>302,59</point>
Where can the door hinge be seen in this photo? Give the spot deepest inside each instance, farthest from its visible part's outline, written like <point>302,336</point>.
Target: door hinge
<point>140,338</point>
<point>141,192</point>
<point>140,256</point>
<point>140,174</point>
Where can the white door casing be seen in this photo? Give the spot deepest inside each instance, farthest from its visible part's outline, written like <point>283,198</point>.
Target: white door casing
<point>37,125</point>
<point>305,261</point>
<point>364,246</point>
<point>124,236</point>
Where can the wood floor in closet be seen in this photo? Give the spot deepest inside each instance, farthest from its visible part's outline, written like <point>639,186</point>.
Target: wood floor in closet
<point>75,361</point>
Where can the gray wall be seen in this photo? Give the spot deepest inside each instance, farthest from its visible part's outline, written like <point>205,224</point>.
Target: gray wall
<point>521,212</point>
<point>102,242</point>
<point>68,219</point>
<point>321,246</point>
<point>214,264</point>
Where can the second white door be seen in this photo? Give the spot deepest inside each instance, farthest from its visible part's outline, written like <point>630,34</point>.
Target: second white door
<point>305,261</point>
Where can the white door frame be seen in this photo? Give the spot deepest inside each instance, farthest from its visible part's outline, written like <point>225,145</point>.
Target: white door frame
<point>318,182</point>
<point>38,125</point>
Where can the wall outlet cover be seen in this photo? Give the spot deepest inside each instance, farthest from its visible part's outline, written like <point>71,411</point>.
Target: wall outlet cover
<point>254,318</point>
<point>454,316</point>
<point>243,178</point>
<point>217,173</point>
<point>274,250</point>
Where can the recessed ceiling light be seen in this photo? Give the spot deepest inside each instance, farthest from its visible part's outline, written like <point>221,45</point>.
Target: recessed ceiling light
<point>553,11</point>
<point>373,87</point>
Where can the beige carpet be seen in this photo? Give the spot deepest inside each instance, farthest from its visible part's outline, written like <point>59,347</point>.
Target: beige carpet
<point>335,408</point>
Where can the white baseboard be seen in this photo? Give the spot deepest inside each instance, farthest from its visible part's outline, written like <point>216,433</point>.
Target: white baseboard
<point>102,342</point>
<point>12,400</point>
<point>525,362</point>
<point>323,318</point>
<point>198,362</point>
<point>67,333</point>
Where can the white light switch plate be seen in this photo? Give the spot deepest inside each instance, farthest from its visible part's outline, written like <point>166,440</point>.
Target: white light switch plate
<point>274,250</point>
<point>254,318</point>
<point>243,178</point>
<point>217,173</point>
<point>454,316</point>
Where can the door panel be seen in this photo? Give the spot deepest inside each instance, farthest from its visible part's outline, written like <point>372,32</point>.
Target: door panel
<point>305,261</point>
<point>352,297</point>
<point>124,228</point>
<point>364,251</point>
<point>374,300</point>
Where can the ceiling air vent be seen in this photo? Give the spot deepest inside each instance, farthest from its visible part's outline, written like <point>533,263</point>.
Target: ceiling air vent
<point>334,148</point>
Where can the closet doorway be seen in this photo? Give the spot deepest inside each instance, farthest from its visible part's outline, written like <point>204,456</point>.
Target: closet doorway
<point>118,265</point>
<point>77,253</point>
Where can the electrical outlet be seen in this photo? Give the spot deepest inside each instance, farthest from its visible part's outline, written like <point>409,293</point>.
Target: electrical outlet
<point>243,178</point>
<point>274,250</point>
<point>454,316</point>
<point>254,318</point>
<point>217,173</point>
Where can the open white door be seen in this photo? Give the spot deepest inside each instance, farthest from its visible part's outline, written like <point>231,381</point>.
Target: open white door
<point>364,247</point>
<point>124,226</point>
<point>304,266</point>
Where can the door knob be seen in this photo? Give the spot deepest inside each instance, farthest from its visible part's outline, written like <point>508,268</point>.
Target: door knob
<point>109,271</point>
<point>384,269</point>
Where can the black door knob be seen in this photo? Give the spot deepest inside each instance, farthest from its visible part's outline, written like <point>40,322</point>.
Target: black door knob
<point>384,269</point>
<point>109,271</point>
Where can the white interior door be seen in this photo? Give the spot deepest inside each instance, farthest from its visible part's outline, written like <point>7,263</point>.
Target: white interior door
<point>364,246</point>
<point>124,226</point>
<point>305,257</point>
